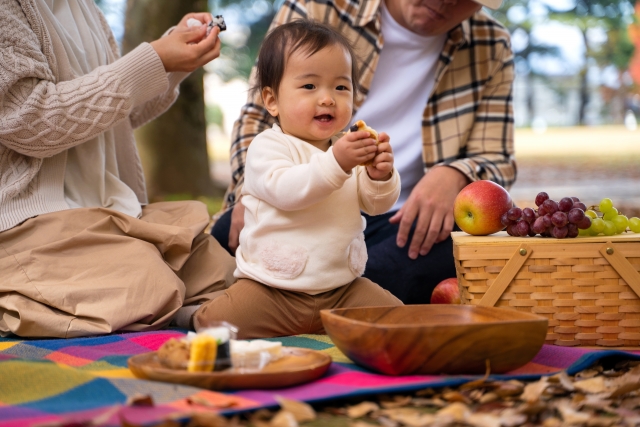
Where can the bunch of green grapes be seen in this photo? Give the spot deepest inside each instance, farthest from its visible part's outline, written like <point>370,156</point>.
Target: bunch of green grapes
<point>605,219</point>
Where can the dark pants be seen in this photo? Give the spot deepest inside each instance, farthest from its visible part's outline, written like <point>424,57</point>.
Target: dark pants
<point>412,281</point>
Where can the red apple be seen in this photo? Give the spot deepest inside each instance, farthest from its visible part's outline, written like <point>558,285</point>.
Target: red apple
<point>478,207</point>
<point>446,292</point>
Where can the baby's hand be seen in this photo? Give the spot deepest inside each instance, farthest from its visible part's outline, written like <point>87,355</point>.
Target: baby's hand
<point>380,169</point>
<point>354,148</point>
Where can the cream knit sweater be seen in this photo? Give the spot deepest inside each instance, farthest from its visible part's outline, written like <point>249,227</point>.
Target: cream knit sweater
<point>303,230</point>
<point>41,116</point>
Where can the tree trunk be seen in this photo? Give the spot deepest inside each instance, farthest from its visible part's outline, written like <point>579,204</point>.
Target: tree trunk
<point>173,148</point>
<point>531,103</point>
<point>584,83</point>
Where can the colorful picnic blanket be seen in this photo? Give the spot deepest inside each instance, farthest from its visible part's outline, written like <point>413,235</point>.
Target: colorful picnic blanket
<point>76,380</point>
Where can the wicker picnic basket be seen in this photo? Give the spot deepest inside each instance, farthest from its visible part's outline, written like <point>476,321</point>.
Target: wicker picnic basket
<point>588,287</point>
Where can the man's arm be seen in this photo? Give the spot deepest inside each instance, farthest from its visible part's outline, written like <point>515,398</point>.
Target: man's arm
<point>489,155</point>
<point>489,148</point>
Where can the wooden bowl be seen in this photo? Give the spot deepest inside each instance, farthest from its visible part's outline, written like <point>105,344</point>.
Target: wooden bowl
<point>436,339</point>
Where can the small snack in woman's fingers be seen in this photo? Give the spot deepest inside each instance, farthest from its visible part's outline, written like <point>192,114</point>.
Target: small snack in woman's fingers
<point>361,125</point>
<point>217,20</point>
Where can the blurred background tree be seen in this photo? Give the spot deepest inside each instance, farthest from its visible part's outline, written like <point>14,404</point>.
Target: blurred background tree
<point>174,148</point>
<point>517,16</point>
<point>595,18</point>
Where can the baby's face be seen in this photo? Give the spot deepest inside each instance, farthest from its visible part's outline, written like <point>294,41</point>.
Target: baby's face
<point>315,98</point>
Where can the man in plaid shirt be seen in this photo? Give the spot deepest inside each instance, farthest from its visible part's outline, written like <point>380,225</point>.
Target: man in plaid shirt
<point>437,76</point>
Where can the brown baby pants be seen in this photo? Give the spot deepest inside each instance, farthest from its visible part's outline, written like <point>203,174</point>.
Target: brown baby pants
<point>261,311</point>
<point>92,271</point>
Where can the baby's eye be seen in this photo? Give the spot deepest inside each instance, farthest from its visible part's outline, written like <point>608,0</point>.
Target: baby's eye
<point>342,87</point>
<point>309,86</point>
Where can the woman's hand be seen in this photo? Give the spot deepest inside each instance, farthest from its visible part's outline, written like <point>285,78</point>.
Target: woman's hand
<point>188,48</point>
<point>204,17</point>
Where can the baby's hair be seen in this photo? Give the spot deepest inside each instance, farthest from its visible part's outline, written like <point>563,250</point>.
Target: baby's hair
<point>284,40</point>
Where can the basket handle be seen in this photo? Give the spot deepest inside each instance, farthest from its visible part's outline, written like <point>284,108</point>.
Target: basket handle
<point>622,266</point>
<point>506,276</point>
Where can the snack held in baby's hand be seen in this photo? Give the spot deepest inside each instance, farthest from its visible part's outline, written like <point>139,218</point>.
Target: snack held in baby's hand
<point>361,125</point>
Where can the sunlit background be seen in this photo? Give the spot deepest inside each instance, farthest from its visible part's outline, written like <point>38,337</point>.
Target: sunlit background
<point>576,96</point>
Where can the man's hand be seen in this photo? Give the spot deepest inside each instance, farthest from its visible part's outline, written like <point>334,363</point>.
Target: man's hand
<point>237,223</point>
<point>188,48</point>
<point>380,169</point>
<point>354,148</point>
<point>430,205</point>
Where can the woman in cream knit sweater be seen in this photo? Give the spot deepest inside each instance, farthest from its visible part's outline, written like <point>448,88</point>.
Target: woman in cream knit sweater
<point>81,252</point>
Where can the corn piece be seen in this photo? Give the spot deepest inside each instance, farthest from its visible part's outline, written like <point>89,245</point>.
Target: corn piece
<point>203,354</point>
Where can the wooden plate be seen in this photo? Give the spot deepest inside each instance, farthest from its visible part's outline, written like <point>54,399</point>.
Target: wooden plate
<point>436,339</point>
<point>297,366</point>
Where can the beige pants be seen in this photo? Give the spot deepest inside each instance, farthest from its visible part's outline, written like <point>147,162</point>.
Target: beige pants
<point>260,311</point>
<point>93,271</point>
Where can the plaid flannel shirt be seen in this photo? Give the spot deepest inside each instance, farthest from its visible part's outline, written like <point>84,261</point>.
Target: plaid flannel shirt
<point>468,119</point>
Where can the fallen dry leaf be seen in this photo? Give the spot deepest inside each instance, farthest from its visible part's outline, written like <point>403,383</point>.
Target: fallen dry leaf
<point>457,410</point>
<point>602,421</point>
<point>591,385</point>
<point>283,419</point>
<point>479,382</point>
<point>476,395</point>
<point>632,403</point>
<point>596,401</point>
<point>626,383</point>
<point>571,416</point>
<point>488,397</point>
<point>422,402</point>
<point>361,409</point>
<point>427,392</point>
<point>512,418</point>
<point>396,402</point>
<point>165,423</point>
<point>552,422</point>
<point>589,373</point>
<point>533,391</point>
<point>300,410</point>
<point>563,379</point>
<point>386,422</point>
<point>484,420</point>
<point>456,396</point>
<point>201,401</point>
<point>409,417</point>
<point>207,419</point>
<point>360,424</point>
<point>140,400</point>
<point>509,388</point>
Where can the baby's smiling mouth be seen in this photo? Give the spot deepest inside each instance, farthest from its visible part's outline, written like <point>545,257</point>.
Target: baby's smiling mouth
<point>324,117</point>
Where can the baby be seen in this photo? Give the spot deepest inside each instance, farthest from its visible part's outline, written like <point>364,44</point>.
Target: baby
<point>302,248</point>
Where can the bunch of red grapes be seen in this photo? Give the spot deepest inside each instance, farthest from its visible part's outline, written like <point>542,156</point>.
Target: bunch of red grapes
<point>552,219</point>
